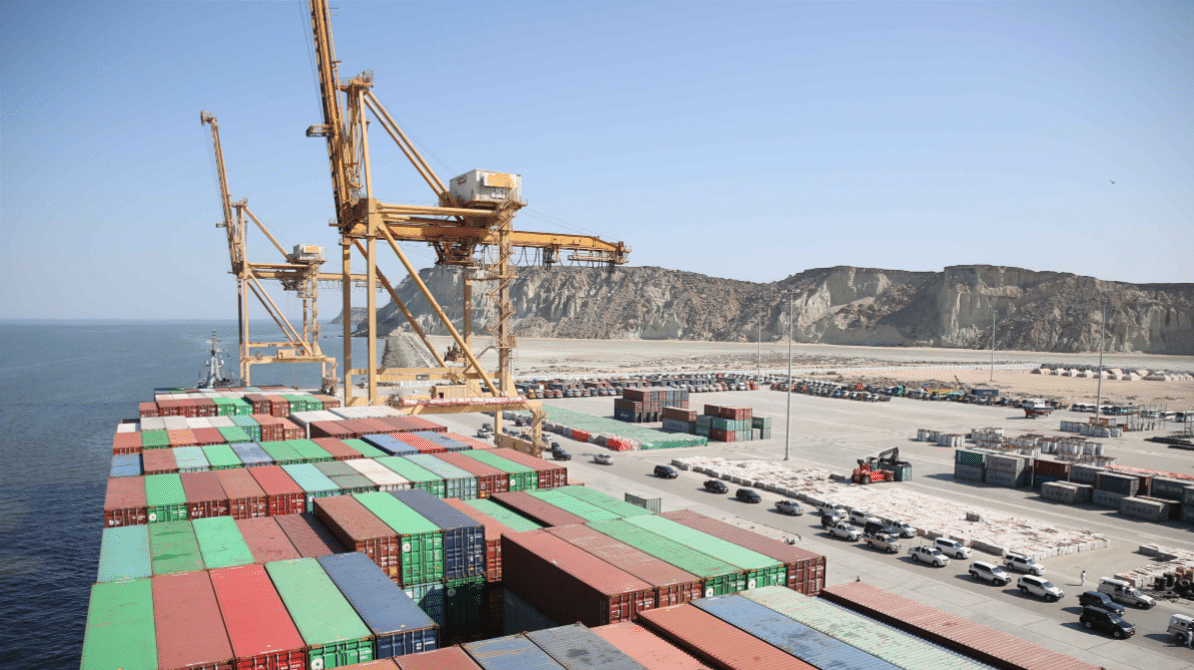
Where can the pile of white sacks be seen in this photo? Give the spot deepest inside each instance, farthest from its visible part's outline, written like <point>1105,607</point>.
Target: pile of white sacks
<point>985,530</point>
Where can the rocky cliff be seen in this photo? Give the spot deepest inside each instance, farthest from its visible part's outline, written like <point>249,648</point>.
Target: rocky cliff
<point>1036,311</point>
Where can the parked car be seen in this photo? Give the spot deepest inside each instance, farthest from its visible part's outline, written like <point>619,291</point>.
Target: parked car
<point>716,486</point>
<point>930,555</point>
<point>859,517</point>
<point>883,541</point>
<point>1108,622</point>
<point>831,508</point>
<point>1022,563</point>
<point>952,548</point>
<point>989,572</point>
<point>747,495</point>
<point>1042,588</point>
<point>899,528</point>
<point>789,507</point>
<point>603,459</point>
<point>1125,593</point>
<point>844,531</point>
<point>830,520</point>
<point>666,472</point>
<point>1096,599</point>
<point>561,455</point>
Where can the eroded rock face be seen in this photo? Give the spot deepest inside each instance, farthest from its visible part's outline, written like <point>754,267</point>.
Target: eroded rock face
<point>1040,311</point>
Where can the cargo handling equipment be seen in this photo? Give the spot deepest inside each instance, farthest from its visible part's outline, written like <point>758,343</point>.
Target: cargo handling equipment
<point>886,467</point>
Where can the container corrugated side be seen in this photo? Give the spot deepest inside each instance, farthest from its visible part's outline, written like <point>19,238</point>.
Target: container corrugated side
<point>718,577</point>
<point>493,530</point>
<point>513,519</point>
<point>124,502</point>
<point>654,652</point>
<point>974,640</point>
<point>807,644</point>
<point>620,507</point>
<point>805,570</point>
<point>672,585</point>
<point>359,529</point>
<point>420,543</point>
<point>448,658</point>
<point>567,583</point>
<point>462,537</point>
<point>551,475</point>
<point>259,627</point>
<point>578,648</point>
<point>717,642</point>
<point>330,627</point>
<point>124,554</point>
<point>418,476</point>
<point>119,612</point>
<point>537,510</point>
<point>165,499</point>
<point>246,500</point>
<point>311,539</point>
<point>282,494</point>
<point>205,496</point>
<point>173,548</point>
<point>266,540</point>
<point>522,478</point>
<point>396,622</point>
<point>515,652</point>
<point>457,483</point>
<point>760,570</point>
<point>490,480</point>
<point>574,505</point>
<point>220,542</point>
<point>889,644</point>
<point>190,628</point>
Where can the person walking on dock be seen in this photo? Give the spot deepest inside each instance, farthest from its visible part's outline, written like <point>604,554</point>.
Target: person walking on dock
<point>1083,577</point>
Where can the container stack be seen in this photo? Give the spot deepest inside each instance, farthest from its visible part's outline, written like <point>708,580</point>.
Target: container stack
<point>1010,470</point>
<point>679,420</point>
<point>970,465</point>
<point>726,424</point>
<point>610,433</point>
<point>645,405</point>
<point>1111,488</point>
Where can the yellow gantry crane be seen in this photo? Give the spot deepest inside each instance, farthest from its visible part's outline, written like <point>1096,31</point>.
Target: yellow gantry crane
<point>300,272</point>
<point>471,227</point>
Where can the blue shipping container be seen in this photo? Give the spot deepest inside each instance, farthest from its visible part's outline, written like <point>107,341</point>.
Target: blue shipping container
<point>400,626</point>
<point>126,465</point>
<point>515,652</point>
<point>251,454</point>
<point>442,440</point>
<point>578,648</point>
<point>390,445</point>
<point>810,645</point>
<point>464,537</point>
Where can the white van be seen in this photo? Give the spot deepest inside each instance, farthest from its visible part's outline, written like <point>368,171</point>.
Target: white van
<point>1125,593</point>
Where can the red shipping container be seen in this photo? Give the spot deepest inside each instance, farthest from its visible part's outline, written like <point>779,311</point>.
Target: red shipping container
<point>672,586</point>
<point>148,410</point>
<point>494,530</point>
<point>719,435</point>
<point>472,442</point>
<point>206,407</point>
<point>447,658</point>
<point>490,480</point>
<point>188,624</point>
<point>328,401</point>
<point>805,570</point>
<point>169,408</point>
<point>379,664</point>
<point>205,496</point>
<point>378,427</point>
<point>262,634</point>
<point>272,428</point>
<point>126,443</point>
<point>652,651</point>
<point>266,539</point>
<point>567,583</point>
<point>551,475</point>
<point>291,430</point>
<point>246,500</point>
<point>260,402</point>
<point>424,445</point>
<point>542,513</point>
<point>355,427</point>
<point>158,462</point>
<point>309,537</point>
<point>334,429</point>
<point>282,494</point>
<point>124,503</point>
<point>716,642</point>
<point>206,436</point>
<point>410,424</point>
<point>359,530</point>
<point>181,438</point>
<point>337,448</point>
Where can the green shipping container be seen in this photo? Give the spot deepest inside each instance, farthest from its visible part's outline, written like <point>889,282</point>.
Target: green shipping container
<point>313,482</point>
<point>221,543</point>
<point>241,407</point>
<point>120,613</point>
<point>124,554</point>
<point>234,434</point>
<point>367,450</point>
<point>298,403</point>
<point>173,548</point>
<point>896,647</point>
<point>329,625</point>
<point>154,439</point>
<point>462,601</point>
<point>457,482</point>
<point>165,498</point>
<point>973,458</point>
<point>719,578</point>
<point>350,481</point>
<point>249,425</point>
<point>505,515</point>
<point>309,451</point>
<point>575,506</point>
<point>282,452</point>
<point>224,406</point>
<point>429,598</point>
<point>421,557</point>
<point>221,457</point>
<point>419,476</point>
<point>522,478</point>
<point>620,507</point>
<point>760,570</point>
<point>190,459</point>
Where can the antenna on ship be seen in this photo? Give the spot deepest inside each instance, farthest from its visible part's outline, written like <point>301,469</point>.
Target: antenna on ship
<point>215,366</point>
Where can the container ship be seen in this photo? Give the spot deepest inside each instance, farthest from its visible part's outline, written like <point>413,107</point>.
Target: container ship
<point>271,529</point>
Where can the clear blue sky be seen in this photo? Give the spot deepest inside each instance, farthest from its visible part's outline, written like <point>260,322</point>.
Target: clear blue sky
<point>750,140</point>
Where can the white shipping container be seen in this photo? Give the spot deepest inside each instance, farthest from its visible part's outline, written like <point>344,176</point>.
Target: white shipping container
<point>221,422</point>
<point>175,422</point>
<point>385,478</point>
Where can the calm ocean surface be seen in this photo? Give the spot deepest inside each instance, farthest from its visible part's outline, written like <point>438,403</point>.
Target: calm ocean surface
<point>64,386</point>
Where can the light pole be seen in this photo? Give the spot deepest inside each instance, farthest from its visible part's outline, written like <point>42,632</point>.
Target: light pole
<point>788,425</point>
